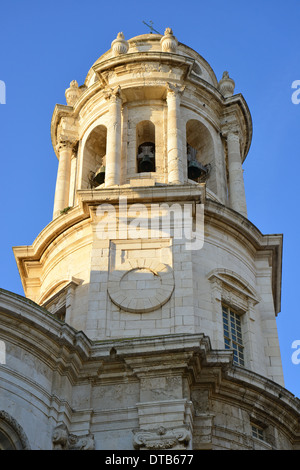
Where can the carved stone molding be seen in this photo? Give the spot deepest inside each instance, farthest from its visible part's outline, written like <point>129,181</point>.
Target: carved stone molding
<point>234,288</point>
<point>66,143</point>
<point>174,90</point>
<point>14,430</point>
<point>161,438</point>
<point>63,440</point>
<point>113,94</point>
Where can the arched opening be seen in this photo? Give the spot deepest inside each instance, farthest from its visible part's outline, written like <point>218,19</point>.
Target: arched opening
<point>145,147</point>
<point>200,150</point>
<point>12,436</point>
<point>94,153</point>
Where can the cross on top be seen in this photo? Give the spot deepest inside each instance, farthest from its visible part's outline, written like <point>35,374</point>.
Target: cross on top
<point>151,27</point>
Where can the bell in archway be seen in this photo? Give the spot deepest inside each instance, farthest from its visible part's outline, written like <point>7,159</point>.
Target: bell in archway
<point>195,170</point>
<point>146,158</point>
<point>146,164</point>
<point>99,176</point>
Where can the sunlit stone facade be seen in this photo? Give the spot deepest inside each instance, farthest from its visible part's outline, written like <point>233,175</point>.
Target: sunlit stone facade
<point>151,299</point>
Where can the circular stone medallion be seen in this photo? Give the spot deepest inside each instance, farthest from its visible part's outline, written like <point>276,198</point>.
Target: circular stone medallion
<point>141,289</point>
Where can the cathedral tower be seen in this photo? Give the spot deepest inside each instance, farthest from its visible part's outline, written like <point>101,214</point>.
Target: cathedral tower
<point>153,298</point>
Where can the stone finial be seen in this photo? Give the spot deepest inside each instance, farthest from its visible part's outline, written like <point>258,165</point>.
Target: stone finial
<point>169,42</point>
<point>120,45</point>
<point>226,85</point>
<point>72,94</point>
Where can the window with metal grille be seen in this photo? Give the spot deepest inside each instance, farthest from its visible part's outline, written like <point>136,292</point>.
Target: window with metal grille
<point>233,334</point>
<point>257,432</point>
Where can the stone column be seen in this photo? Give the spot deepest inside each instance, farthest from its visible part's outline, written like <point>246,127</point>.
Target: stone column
<point>237,196</point>
<point>73,166</point>
<point>62,190</point>
<point>113,146</point>
<point>175,169</point>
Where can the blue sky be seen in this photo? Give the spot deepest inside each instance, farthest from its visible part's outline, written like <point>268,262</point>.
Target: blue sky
<point>45,45</point>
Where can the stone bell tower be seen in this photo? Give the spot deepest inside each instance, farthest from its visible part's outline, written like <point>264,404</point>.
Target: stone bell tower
<point>165,342</point>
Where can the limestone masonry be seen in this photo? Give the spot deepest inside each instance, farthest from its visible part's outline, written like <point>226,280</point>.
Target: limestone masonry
<point>149,316</point>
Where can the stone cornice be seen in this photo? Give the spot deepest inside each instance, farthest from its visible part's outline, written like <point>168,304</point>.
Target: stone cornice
<point>138,57</point>
<point>45,331</point>
<point>51,232</point>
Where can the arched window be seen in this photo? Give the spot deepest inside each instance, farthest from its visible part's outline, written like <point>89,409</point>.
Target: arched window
<point>94,153</point>
<point>145,142</point>
<point>12,436</point>
<point>199,149</point>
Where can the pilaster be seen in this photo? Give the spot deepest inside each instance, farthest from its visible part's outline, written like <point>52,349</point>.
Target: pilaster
<point>165,412</point>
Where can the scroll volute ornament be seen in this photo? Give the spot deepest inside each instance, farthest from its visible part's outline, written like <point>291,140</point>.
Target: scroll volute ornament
<point>161,438</point>
<point>169,42</point>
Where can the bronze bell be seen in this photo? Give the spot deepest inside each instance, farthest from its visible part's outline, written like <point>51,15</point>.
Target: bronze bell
<point>99,176</point>
<point>146,164</point>
<point>195,170</point>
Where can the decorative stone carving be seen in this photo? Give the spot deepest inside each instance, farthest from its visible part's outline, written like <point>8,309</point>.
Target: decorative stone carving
<point>112,94</point>
<point>226,85</point>
<point>66,143</point>
<point>120,45</point>
<point>233,288</point>
<point>161,438</point>
<point>174,89</point>
<point>169,42</point>
<point>72,94</point>
<point>63,440</point>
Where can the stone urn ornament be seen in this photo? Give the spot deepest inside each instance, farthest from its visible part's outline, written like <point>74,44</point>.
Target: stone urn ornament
<point>226,85</point>
<point>72,94</point>
<point>120,45</point>
<point>169,42</point>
